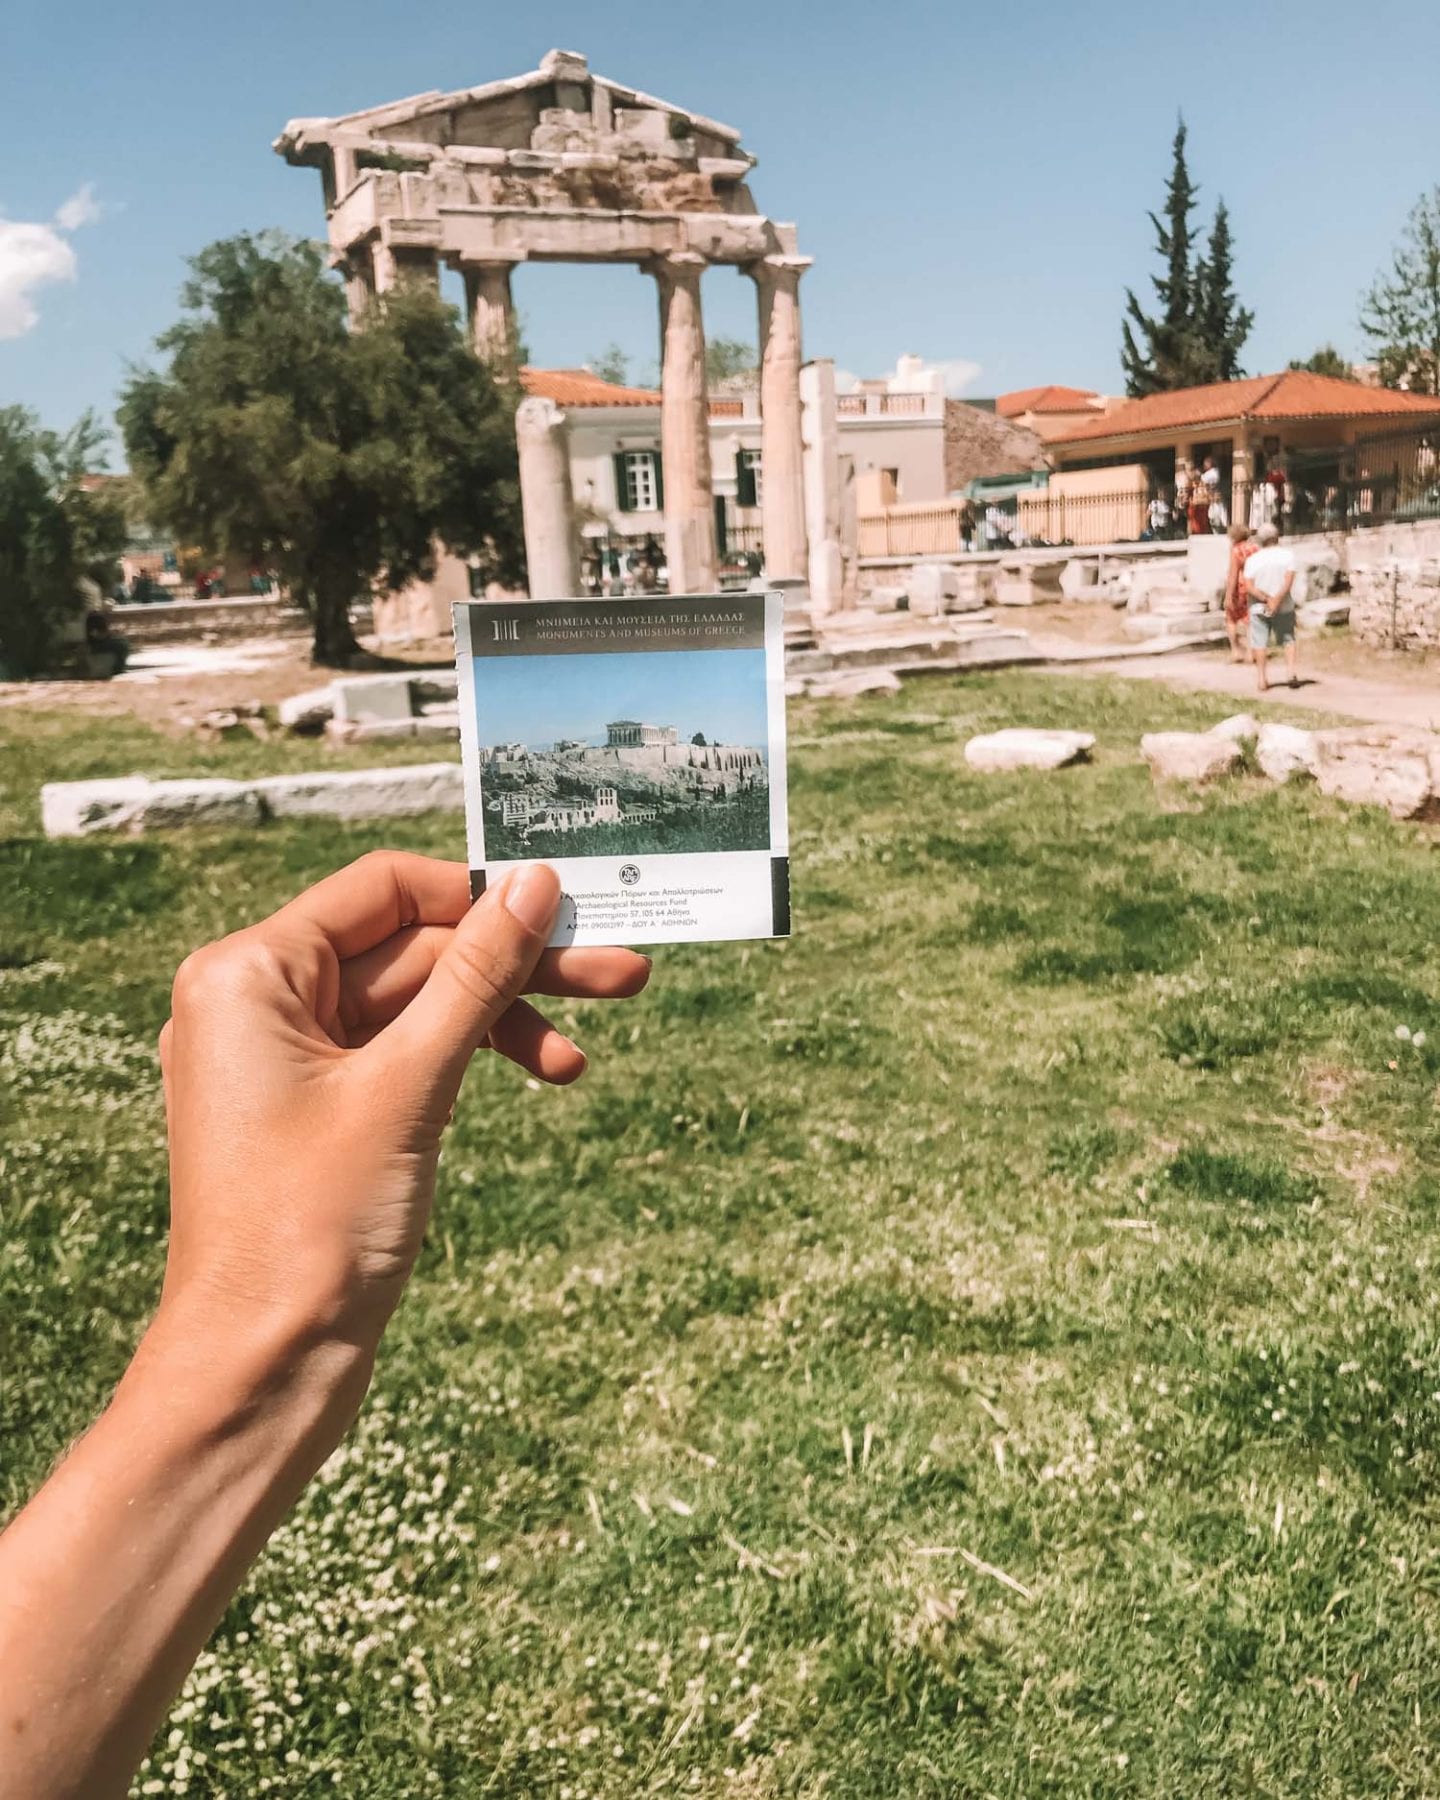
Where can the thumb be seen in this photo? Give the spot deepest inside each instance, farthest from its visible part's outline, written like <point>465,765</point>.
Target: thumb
<point>483,968</point>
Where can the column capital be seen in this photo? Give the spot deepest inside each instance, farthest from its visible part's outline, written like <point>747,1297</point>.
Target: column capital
<point>684,267</point>
<point>777,270</point>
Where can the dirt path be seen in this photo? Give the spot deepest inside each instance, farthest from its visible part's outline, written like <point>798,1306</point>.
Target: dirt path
<point>1408,695</point>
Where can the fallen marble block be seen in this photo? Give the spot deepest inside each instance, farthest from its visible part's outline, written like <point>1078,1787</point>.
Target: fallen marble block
<point>1195,756</point>
<point>1024,747</point>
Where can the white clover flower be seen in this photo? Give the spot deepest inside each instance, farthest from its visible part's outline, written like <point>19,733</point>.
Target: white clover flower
<point>1403,1033</point>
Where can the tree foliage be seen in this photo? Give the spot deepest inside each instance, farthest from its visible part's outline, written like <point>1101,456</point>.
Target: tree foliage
<point>55,533</point>
<point>276,434</point>
<point>725,358</point>
<point>1198,327</point>
<point>1327,360</point>
<point>1400,313</point>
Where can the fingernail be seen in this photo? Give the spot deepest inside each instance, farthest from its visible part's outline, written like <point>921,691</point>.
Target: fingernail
<point>532,895</point>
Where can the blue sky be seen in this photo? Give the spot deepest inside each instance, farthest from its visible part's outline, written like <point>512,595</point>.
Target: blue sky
<point>536,699</point>
<point>971,179</point>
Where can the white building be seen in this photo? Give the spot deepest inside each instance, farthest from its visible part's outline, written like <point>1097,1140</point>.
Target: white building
<point>892,430</point>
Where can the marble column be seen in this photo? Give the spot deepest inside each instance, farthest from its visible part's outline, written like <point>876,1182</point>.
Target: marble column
<point>782,494</point>
<point>823,498</point>
<point>685,427</point>
<point>404,267</point>
<point>490,311</point>
<point>552,550</point>
<point>358,271</point>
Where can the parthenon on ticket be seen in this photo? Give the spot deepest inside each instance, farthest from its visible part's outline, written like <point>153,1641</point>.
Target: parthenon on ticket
<point>562,165</point>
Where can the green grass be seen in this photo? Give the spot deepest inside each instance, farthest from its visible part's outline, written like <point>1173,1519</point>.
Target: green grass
<point>1058,1202</point>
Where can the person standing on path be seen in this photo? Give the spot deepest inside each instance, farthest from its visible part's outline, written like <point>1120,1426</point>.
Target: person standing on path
<point>1268,579</point>
<point>1237,606</point>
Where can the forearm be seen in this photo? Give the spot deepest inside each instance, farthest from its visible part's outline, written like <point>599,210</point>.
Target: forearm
<point>114,1576</point>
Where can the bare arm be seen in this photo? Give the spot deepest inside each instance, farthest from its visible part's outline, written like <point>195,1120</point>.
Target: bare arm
<point>310,1066</point>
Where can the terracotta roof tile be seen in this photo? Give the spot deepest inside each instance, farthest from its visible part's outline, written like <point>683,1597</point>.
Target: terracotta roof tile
<point>1051,399</point>
<point>1295,394</point>
<point>582,387</point>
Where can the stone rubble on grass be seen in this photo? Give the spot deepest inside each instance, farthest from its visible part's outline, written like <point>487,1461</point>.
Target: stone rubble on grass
<point>1026,747</point>
<point>369,699</point>
<point>1285,750</point>
<point>135,804</point>
<point>1197,756</point>
<point>1238,728</point>
<point>307,711</point>
<point>847,684</point>
<point>1394,766</point>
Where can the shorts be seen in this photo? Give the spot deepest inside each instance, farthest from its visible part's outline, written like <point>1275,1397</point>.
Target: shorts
<point>1269,631</point>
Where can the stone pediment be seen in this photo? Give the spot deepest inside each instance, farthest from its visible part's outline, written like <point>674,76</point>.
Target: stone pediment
<point>559,136</point>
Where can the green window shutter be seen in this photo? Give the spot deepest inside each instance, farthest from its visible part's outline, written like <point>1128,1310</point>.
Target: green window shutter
<point>744,479</point>
<point>721,531</point>
<point>622,487</point>
<point>659,469</point>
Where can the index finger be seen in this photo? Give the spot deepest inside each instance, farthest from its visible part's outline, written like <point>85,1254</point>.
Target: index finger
<point>372,898</point>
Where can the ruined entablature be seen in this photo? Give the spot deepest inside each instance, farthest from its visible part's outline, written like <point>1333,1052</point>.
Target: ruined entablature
<point>554,164</point>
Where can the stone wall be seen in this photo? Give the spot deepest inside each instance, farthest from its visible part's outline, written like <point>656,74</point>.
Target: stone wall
<point>978,442</point>
<point>1395,585</point>
<point>197,621</point>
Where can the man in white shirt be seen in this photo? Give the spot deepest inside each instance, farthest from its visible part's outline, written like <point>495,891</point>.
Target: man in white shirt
<point>1269,578</point>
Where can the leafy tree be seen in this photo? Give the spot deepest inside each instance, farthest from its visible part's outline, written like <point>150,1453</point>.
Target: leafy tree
<point>1400,314</point>
<point>55,532</point>
<point>1327,360</point>
<point>612,364</point>
<point>1198,327</point>
<point>727,357</point>
<point>1221,323</point>
<point>337,458</point>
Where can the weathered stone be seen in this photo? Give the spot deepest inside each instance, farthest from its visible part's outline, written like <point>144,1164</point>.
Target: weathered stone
<point>1318,615</point>
<point>1080,580</point>
<point>1207,563</point>
<point>552,544</point>
<point>368,698</point>
<point>364,793</point>
<point>1285,750</point>
<point>1023,747</point>
<point>1197,756</point>
<point>307,711</point>
<point>1186,625</point>
<point>1237,728</point>
<point>135,804</point>
<point>848,684</point>
<point>381,731</point>
<point>932,588</point>
<point>1394,766</point>
<point>1317,570</point>
<point>438,728</point>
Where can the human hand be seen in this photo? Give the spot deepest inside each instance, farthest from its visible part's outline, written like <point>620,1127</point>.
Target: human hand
<point>311,1064</point>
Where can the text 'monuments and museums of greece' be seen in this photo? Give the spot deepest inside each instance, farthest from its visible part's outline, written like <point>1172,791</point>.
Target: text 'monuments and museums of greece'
<point>638,747</point>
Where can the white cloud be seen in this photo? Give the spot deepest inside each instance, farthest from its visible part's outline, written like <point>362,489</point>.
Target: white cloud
<point>81,208</point>
<point>32,255</point>
<point>956,373</point>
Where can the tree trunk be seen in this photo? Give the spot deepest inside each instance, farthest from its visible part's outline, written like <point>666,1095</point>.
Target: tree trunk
<point>334,640</point>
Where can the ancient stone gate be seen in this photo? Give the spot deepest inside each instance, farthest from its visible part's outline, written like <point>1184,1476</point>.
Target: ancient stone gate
<point>561,165</point>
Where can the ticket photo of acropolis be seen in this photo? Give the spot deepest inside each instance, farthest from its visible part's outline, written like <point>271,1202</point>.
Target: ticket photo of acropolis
<point>623,753</point>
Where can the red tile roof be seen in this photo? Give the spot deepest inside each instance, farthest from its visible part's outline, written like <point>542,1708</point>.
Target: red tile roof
<point>581,387</point>
<point>1295,394</point>
<point>1050,399</point>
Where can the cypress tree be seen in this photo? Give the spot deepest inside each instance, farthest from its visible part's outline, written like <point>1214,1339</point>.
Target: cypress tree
<point>1158,351</point>
<point>1221,323</point>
